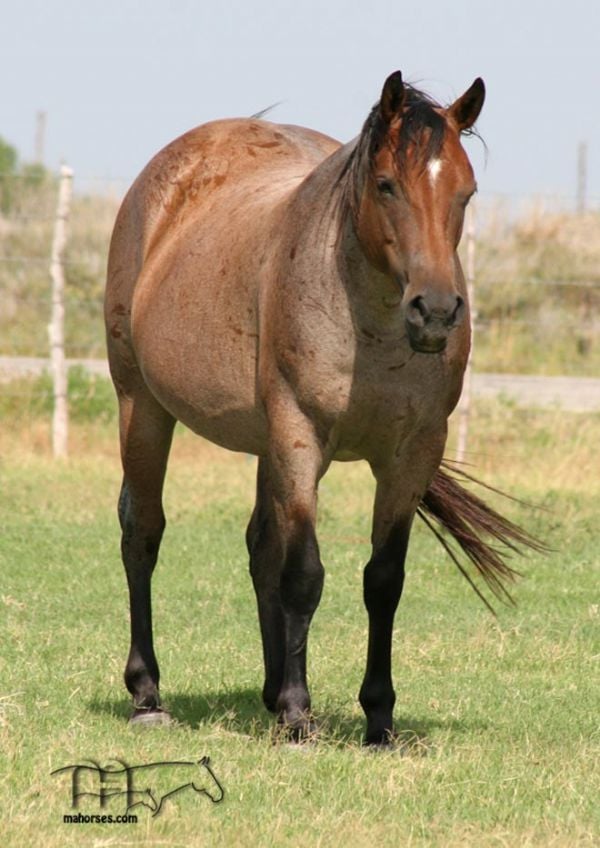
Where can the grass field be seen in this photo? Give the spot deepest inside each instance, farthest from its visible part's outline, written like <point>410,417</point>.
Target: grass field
<point>499,719</point>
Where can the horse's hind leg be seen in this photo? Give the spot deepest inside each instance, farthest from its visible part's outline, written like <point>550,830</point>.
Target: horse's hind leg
<point>266,556</point>
<point>146,432</point>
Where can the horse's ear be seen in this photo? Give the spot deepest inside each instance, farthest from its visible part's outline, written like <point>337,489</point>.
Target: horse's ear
<point>392,97</point>
<point>466,109</point>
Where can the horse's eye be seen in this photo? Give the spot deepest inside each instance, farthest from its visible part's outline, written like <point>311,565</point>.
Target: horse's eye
<point>385,186</point>
<point>465,198</point>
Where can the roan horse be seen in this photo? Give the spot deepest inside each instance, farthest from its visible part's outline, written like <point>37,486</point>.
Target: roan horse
<point>293,298</point>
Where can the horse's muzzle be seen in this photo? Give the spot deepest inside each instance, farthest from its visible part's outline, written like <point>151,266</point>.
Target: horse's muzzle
<point>430,318</point>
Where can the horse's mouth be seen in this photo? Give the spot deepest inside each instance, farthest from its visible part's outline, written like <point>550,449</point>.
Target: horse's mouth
<point>427,343</point>
<point>438,347</point>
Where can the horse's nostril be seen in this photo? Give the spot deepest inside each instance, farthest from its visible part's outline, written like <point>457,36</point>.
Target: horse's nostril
<point>447,309</point>
<point>417,312</point>
<point>459,311</point>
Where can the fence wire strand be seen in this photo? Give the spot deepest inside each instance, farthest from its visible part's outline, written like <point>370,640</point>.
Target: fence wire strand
<point>18,223</point>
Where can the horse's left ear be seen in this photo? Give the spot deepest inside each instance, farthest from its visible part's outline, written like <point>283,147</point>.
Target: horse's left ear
<point>466,109</point>
<point>392,97</point>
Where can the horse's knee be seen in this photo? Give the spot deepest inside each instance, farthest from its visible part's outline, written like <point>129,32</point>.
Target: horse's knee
<point>383,578</point>
<point>383,581</point>
<point>303,573</point>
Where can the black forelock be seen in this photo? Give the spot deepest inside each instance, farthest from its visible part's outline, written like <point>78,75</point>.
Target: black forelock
<point>422,129</point>
<point>419,113</point>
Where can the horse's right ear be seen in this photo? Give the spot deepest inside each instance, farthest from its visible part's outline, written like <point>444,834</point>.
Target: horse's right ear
<point>466,109</point>
<point>392,97</point>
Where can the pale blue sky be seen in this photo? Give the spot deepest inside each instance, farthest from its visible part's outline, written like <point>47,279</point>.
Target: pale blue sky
<point>120,78</point>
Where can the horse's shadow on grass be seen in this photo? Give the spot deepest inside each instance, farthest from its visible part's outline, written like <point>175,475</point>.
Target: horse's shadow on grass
<point>240,711</point>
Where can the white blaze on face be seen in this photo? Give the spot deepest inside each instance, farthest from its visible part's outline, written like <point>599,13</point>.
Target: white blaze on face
<point>434,168</point>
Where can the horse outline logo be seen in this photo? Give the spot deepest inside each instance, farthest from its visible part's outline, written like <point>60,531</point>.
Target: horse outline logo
<point>146,797</point>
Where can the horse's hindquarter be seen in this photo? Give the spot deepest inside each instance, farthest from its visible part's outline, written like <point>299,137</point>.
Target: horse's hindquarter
<point>185,311</point>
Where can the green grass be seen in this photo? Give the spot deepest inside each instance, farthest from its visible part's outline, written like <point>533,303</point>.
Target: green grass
<point>499,718</point>
<point>91,398</point>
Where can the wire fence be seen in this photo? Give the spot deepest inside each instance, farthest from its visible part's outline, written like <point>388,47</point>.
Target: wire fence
<point>535,276</point>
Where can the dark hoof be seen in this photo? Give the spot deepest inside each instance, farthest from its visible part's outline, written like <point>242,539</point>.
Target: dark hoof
<point>301,732</point>
<point>154,717</point>
<point>381,741</point>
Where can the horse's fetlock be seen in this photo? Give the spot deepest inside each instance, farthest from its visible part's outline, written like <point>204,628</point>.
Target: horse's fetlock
<point>377,698</point>
<point>142,686</point>
<point>293,701</point>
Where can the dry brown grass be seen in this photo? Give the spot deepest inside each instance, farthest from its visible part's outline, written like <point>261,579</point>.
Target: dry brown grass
<point>526,323</point>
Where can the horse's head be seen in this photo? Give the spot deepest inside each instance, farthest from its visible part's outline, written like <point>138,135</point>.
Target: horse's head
<point>208,784</point>
<point>415,183</point>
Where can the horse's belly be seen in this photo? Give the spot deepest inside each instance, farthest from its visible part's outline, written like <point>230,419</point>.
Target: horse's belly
<point>233,426</point>
<point>225,412</point>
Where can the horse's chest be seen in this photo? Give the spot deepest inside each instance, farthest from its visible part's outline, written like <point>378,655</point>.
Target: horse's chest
<point>387,408</point>
<point>370,395</point>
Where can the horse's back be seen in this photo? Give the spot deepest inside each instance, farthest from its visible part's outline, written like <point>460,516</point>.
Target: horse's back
<point>185,260</point>
<point>227,157</point>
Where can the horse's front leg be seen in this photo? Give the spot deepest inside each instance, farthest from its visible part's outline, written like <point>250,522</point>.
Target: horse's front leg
<point>400,488</point>
<point>295,464</point>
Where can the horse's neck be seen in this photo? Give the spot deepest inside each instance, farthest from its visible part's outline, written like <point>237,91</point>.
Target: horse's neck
<point>374,297</point>
<point>332,263</point>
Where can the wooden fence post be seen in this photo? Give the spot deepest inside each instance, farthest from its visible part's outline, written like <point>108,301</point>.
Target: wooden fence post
<point>581,177</point>
<point>56,329</point>
<point>464,409</point>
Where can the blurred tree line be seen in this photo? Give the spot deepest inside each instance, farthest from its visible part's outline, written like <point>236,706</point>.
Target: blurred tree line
<point>17,178</point>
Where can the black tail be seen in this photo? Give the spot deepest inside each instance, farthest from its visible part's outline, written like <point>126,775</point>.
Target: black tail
<point>467,519</point>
